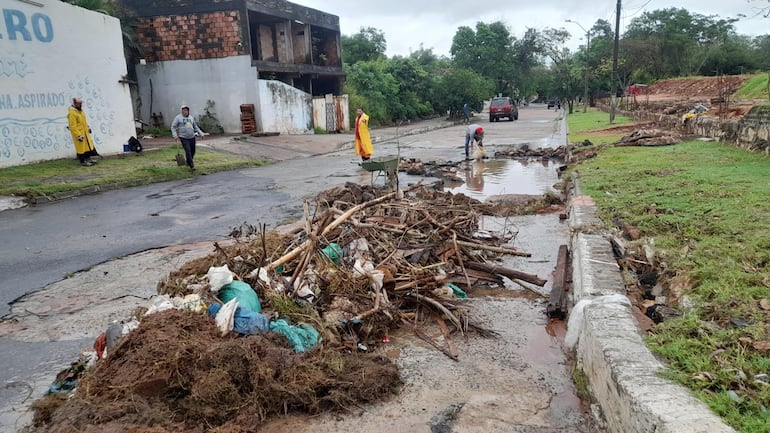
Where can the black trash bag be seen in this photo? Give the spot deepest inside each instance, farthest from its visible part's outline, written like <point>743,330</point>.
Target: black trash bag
<point>134,145</point>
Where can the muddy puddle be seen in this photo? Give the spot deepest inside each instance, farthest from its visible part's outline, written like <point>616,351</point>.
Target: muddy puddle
<point>490,177</point>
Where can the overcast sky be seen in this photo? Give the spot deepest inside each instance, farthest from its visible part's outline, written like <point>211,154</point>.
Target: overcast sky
<point>408,23</point>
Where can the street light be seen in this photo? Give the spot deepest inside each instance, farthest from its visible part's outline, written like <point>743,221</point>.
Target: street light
<point>585,78</point>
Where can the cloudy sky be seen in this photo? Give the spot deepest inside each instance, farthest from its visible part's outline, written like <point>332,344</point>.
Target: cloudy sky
<point>408,23</point>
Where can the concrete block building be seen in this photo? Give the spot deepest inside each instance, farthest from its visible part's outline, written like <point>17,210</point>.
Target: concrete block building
<point>223,55</point>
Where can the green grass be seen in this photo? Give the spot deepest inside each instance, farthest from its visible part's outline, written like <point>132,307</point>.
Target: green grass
<point>49,178</point>
<point>711,230</point>
<point>754,88</point>
<point>586,126</point>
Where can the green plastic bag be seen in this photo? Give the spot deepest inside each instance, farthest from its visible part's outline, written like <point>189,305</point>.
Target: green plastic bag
<point>457,291</point>
<point>333,253</point>
<point>302,337</point>
<point>246,296</point>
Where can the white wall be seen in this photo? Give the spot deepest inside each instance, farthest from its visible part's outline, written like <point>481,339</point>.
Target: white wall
<point>48,55</point>
<point>284,109</point>
<point>229,82</point>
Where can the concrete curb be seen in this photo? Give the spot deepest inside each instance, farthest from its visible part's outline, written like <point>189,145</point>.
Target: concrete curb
<point>623,375</point>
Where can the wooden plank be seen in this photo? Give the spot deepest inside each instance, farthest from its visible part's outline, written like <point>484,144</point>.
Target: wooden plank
<point>557,303</point>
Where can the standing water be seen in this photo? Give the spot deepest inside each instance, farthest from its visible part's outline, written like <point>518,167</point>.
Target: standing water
<point>491,177</point>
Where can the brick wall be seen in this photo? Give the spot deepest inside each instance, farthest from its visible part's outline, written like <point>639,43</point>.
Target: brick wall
<point>191,37</point>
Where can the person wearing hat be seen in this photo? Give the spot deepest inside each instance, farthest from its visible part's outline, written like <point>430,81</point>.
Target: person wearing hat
<point>81,133</point>
<point>186,129</point>
<point>474,134</point>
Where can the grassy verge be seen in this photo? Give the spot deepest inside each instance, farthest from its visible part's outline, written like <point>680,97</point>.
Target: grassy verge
<point>703,207</point>
<point>594,126</point>
<point>755,88</point>
<point>50,178</point>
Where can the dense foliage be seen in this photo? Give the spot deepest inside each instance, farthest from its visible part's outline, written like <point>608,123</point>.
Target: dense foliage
<point>488,60</point>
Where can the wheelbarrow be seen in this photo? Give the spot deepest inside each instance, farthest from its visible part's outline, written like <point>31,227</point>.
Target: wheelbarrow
<point>386,166</point>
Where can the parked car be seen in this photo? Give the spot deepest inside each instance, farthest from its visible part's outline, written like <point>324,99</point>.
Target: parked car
<point>552,102</point>
<point>503,107</point>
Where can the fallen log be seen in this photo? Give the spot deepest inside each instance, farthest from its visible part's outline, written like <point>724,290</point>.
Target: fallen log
<point>557,302</point>
<point>510,273</point>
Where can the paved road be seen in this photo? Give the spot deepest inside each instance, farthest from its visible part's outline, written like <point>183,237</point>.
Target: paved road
<point>119,239</point>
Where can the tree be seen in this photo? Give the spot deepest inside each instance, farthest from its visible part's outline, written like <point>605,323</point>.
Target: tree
<point>760,47</point>
<point>460,86</point>
<point>366,45</point>
<point>527,55</point>
<point>370,86</point>
<point>681,41</point>
<point>731,58</point>
<point>415,87</point>
<point>104,6</point>
<point>487,51</point>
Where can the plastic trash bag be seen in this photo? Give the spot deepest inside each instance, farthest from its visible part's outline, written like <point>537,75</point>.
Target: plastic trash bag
<point>367,270</point>
<point>333,253</point>
<point>479,153</point>
<point>358,248</point>
<point>225,317</point>
<point>159,303</point>
<point>246,296</point>
<point>244,322</point>
<point>301,337</point>
<point>218,277</point>
<point>194,303</point>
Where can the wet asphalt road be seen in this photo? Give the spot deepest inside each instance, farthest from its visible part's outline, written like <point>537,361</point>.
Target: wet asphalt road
<point>43,244</point>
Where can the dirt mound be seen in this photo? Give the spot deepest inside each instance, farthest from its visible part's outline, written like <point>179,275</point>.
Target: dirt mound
<point>697,86</point>
<point>176,374</point>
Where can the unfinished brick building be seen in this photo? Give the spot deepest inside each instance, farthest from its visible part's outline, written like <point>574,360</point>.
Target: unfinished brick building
<point>272,54</point>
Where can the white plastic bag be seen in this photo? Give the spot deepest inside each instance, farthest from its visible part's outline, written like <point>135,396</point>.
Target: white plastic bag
<point>358,248</point>
<point>367,270</point>
<point>219,276</point>
<point>479,153</point>
<point>226,317</point>
<point>159,303</point>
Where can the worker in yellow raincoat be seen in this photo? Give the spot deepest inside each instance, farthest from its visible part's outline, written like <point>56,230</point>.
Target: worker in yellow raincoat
<point>81,133</point>
<point>364,147</point>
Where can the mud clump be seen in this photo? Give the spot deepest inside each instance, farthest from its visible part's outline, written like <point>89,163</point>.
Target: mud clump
<point>176,374</point>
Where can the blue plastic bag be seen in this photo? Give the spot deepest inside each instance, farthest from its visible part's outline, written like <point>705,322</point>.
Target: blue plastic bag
<point>246,296</point>
<point>245,322</point>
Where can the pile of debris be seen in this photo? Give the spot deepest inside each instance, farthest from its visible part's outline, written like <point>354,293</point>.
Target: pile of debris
<point>365,261</point>
<point>524,151</point>
<point>650,137</point>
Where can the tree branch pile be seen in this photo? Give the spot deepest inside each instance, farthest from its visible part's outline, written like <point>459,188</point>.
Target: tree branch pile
<point>402,257</point>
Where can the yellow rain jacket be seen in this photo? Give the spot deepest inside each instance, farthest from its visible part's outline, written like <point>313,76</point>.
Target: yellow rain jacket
<point>363,139</point>
<point>79,128</point>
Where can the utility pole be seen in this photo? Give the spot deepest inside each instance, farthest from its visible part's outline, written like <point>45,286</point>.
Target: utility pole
<point>585,75</point>
<point>613,85</point>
